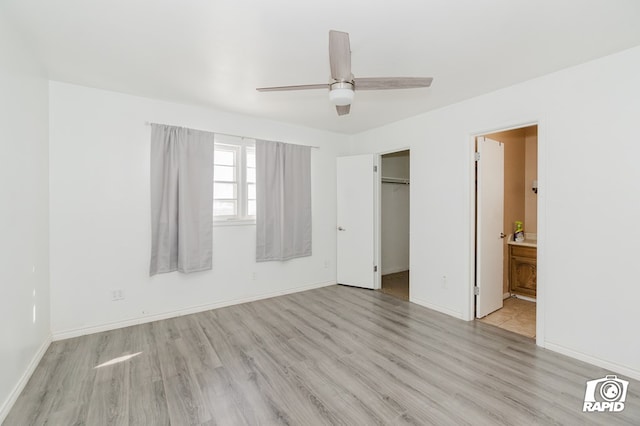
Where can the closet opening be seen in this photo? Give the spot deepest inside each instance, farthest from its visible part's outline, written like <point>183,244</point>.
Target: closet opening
<point>394,223</point>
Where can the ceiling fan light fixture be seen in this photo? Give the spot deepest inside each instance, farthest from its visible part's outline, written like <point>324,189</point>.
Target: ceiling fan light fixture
<point>341,93</point>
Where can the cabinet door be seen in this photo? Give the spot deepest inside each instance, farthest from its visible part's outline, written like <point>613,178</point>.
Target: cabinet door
<point>523,275</point>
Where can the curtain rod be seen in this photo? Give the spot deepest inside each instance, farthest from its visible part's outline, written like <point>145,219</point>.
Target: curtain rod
<point>149,123</point>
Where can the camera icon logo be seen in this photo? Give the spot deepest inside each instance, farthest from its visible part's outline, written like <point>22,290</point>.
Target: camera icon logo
<point>606,394</point>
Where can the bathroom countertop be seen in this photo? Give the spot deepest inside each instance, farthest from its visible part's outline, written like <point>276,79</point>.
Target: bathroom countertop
<point>530,240</point>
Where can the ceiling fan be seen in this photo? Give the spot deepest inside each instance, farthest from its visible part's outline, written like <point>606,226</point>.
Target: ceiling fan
<point>343,84</point>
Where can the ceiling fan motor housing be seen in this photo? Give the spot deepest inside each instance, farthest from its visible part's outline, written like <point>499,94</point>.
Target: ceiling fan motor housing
<point>341,93</point>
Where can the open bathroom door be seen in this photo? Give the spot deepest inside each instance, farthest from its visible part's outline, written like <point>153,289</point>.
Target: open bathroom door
<point>489,225</point>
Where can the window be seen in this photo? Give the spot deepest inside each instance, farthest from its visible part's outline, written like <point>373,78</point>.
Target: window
<point>234,179</point>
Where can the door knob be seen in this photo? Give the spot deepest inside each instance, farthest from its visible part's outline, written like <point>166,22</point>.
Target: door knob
<point>340,228</point>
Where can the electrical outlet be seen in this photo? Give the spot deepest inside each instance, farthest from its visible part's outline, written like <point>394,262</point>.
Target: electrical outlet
<point>326,264</point>
<point>117,295</point>
<point>444,281</point>
<point>253,276</point>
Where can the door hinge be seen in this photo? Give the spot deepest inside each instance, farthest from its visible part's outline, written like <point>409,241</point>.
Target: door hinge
<point>375,268</point>
<point>476,156</point>
<point>375,169</point>
<point>476,291</point>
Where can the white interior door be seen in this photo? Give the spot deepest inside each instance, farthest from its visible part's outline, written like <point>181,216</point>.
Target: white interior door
<point>356,201</point>
<point>490,222</point>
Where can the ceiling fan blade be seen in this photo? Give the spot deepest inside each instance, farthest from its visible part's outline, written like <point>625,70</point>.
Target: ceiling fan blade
<point>343,109</point>
<point>388,83</point>
<point>340,56</point>
<point>299,87</point>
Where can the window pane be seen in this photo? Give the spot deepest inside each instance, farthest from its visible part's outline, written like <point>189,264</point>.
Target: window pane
<point>251,175</point>
<point>224,173</point>
<point>224,208</point>
<point>224,157</point>
<point>224,190</point>
<point>251,157</point>
<point>251,191</point>
<point>251,208</point>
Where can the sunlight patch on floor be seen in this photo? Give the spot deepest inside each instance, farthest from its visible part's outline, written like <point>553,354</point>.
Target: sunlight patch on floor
<point>117,360</point>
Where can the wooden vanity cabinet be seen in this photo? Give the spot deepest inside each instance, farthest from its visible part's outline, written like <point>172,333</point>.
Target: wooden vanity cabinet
<point>522,270</point>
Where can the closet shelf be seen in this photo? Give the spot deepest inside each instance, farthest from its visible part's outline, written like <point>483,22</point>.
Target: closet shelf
<point>395,180</point>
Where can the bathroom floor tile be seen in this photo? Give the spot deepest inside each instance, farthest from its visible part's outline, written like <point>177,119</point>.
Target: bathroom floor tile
<point>517,315</point>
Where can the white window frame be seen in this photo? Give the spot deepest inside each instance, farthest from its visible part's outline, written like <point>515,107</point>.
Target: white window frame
<point>239,145</point>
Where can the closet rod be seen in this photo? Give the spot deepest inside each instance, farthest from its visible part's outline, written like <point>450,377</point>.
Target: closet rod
<point>395,180</point>
<point>149,123</point>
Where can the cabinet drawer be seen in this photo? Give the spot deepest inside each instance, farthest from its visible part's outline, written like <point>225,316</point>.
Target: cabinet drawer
<point>523,251</point>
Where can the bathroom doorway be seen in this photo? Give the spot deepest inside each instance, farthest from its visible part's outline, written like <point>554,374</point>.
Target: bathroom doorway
<point>394,223</point>
<point>506,260</point>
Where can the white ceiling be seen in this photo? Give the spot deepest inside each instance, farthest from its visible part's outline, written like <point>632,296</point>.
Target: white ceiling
<point>216,52</point>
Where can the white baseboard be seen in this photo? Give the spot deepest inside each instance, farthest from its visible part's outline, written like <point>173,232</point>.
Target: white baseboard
<point>527,298</point>
<point>518,296</point>
<point>19,387</point>
<point>67,334</point>
<point>387,271</point>
<point>614,368</point>
<point>438,308</point>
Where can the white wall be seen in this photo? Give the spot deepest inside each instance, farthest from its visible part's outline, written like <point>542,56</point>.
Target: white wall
<point>24,229</point>
<point>394,215</point>
<point>100,220</point>
<point>589,203</point>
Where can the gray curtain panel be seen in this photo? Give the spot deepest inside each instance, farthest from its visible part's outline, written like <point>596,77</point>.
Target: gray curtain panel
<point>181,199</point>
<point>283,185</point>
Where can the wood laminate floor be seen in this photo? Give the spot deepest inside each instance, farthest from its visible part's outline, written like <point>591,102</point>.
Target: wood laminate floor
<point>335,355</point>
